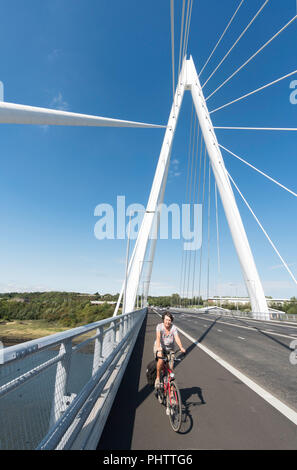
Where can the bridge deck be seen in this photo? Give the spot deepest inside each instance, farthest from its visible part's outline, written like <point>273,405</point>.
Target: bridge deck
<point>220,412</point>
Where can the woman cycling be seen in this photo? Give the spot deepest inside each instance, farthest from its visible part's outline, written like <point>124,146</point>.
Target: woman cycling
<point>166,333</point>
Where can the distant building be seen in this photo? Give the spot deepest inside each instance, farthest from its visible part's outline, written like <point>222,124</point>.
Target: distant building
<point>244,300</point>
<point>98,302</point>
<point>18,299</point>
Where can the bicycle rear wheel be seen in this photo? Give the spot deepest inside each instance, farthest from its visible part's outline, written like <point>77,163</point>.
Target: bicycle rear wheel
<point>175,409</point>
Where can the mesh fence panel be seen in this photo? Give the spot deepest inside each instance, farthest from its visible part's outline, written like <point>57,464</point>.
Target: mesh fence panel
<point>25,411</point>
<point>29,408</point>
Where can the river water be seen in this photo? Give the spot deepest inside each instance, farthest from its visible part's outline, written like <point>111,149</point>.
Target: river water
<point>25,412</point>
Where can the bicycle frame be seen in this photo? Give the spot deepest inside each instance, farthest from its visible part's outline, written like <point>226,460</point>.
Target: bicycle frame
<point>169,374</point>
<point>168,394</point>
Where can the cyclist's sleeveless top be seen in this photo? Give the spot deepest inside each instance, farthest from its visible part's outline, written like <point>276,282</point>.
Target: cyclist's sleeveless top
<point>167,340</point>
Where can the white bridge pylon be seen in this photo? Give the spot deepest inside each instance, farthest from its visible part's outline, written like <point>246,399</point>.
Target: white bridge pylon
<point>189,80</point>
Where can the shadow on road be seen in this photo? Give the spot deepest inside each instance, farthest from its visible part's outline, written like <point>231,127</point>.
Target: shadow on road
<point>129,398</point>
<point>264,333</point>
<point>188,396</point>
<point>123,409</point>
<point>147,389</point>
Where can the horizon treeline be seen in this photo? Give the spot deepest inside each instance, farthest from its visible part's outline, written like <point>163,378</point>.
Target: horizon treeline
<point>71,309</point>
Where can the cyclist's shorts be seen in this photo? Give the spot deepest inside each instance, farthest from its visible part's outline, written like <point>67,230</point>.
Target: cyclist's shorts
<point>165,351</point>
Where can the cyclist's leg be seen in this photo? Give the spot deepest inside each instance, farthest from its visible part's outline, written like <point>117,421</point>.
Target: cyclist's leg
<point>171,359</point>
<point>160,363</point>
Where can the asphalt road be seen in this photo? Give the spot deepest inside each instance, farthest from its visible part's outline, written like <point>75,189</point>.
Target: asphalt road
<point>219,410</point>
<point>261,350</point>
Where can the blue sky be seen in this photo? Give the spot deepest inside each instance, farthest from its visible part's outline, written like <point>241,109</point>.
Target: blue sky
<point>113,58</point>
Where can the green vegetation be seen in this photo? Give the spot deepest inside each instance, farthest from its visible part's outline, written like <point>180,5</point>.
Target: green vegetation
<point>174,300</point>
<point>66,309</point>
<point>70,309</point>
<point>288,307</point>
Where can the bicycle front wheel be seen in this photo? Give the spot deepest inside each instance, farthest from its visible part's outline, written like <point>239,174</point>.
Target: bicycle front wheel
<point>175,409</point>
<point>160,393</point>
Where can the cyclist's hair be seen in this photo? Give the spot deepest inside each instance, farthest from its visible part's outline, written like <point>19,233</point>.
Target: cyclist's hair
<point>167,314</point>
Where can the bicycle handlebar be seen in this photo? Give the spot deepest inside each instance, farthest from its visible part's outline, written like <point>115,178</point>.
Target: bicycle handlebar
<point>174,352</point>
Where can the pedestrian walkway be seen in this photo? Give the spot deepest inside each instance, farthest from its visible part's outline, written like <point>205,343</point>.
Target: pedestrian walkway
<point>219,411</point>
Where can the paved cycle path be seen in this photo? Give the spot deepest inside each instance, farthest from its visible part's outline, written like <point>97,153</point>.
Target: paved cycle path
<point>219,411</point>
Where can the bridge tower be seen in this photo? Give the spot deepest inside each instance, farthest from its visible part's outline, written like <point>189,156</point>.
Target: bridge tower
<point>189,80</point>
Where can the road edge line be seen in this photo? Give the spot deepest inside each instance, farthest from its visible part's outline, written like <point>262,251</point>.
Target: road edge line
<point>267,396</point>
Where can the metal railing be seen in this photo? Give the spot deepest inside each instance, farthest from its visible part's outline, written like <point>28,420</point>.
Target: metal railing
<point>56,392</point>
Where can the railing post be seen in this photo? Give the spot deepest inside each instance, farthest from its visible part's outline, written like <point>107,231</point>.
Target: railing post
<point>121,333</point>
<point>61,382</point>
<point>114,333</point>
<point>98,357</point>
<point>125,326</point>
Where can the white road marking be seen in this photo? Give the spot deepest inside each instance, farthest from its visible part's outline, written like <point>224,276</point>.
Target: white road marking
<point>249,328</point>
<point>240,337</point>
<point>267,322</point>
<point>220,331</point>
<point>275,402</point>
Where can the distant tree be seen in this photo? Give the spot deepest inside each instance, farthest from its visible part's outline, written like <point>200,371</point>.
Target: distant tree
<point>292,310</point>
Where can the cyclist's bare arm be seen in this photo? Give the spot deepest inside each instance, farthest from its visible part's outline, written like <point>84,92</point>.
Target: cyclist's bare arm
<point>158,344</point>
<point>178,341</point>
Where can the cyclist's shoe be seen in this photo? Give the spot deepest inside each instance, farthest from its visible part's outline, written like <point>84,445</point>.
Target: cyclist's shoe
<point>157,383</point>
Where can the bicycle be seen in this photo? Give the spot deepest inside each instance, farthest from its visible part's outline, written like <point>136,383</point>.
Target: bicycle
<point>168,392</point>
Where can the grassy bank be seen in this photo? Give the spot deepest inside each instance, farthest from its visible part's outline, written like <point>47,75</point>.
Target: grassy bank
<point>32,315</point>
<point>19,331</point>
<point>57,309</point>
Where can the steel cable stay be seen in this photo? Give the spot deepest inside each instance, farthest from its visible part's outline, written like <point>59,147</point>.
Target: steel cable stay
<point>208,229</point>
<point>183,34</point>
<point>218,246</point>
<point>181,37</point>
<point>185,24</point>
<point>223,34</point>
<point>187,261</point>
<point>253,92</point>
<point>259,171</point>
<point>205,251</point>
<point>198,198</point>
<point>188,198</point>
<point>192,203</point>
<point>236,42</point>
<point>252,57</point>
<point>187,28</point>
<point>263,230</point>
<point>185,31</point>
<point>183,45</point>
<point>201,249</point>
<point>193,257</point>
<point>172,45</point>
<point>186,192</point>
<point>257,128</point>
